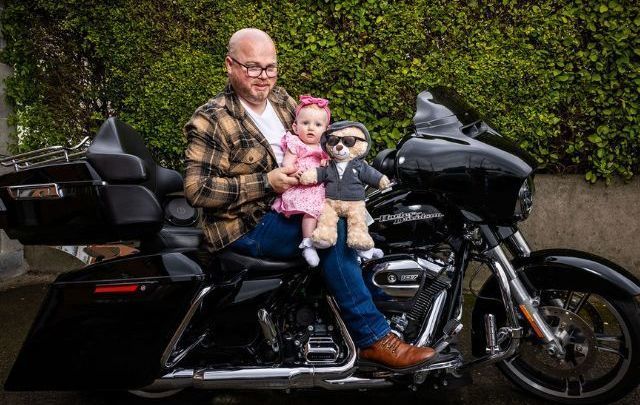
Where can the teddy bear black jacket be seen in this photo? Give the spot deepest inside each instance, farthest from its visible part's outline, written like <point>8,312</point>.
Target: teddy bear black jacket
<point>351,186</point>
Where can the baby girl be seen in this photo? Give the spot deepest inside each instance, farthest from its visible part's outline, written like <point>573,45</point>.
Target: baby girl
<point>303,151</point>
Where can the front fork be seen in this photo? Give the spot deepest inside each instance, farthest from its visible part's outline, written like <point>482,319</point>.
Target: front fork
<point>512,289</point>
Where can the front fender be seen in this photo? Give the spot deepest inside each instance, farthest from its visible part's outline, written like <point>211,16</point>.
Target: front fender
<point>580,271</point>
<point>554,269</point>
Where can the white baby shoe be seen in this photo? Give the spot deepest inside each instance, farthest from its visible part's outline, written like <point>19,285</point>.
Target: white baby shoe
<point>309,252</point>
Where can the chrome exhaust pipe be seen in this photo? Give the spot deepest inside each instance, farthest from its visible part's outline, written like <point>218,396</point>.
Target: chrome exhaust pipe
<point>178,379</point>
<point>331,378</point>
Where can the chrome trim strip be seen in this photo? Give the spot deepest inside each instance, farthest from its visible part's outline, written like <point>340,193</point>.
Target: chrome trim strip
<point>426,336</point>
<point>47,191</point>
<point>171,347</point>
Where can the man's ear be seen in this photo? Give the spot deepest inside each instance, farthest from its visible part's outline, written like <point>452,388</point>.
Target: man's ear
<point>228,63</point>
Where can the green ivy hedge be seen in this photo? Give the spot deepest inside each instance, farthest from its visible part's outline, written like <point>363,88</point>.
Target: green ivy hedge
<point>562,78</point>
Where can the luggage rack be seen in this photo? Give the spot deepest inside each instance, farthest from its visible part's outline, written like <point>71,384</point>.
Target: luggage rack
<point>51,154</point>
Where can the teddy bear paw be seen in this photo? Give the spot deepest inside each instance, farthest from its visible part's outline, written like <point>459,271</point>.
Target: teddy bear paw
<point>322,244</point>
<point>373,253</point>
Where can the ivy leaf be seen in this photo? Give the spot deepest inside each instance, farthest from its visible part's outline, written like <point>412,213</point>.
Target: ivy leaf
<point>594,138</point>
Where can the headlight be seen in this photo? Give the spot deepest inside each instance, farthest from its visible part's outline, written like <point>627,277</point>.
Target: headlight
<point>525,199</point>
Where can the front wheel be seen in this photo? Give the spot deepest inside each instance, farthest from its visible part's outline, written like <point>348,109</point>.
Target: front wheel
<point>601,338</point>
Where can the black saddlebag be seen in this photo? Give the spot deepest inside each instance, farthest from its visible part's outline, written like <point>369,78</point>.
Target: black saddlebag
<point>107,326</point>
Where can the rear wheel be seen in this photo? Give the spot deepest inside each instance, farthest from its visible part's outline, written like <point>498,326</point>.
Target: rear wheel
<point>600,336</point>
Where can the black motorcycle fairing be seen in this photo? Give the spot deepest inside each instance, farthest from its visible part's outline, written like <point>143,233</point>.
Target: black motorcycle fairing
<point>475,176</point>
<point>562,269</point>
<point>107,325</point>
<point>469,163</point>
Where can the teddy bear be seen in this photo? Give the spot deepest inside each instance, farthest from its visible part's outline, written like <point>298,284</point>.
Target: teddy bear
<point>346,143</point>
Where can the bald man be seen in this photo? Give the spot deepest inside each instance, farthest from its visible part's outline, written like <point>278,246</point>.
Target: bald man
<point>233,174</point>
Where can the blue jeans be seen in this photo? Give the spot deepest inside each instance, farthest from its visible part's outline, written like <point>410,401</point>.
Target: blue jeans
<point>278,237</point>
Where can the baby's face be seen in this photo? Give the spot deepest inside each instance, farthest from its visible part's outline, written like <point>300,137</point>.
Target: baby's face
<point>310,125</point>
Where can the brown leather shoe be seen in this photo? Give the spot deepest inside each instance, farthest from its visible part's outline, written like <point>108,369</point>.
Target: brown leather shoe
<point>394,354</point>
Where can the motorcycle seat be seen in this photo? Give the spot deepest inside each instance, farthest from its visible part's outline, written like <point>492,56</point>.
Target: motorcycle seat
<point>231,260</point>
<point>177,237</point>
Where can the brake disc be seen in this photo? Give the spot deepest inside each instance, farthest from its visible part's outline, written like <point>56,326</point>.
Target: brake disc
<point>576,337</point>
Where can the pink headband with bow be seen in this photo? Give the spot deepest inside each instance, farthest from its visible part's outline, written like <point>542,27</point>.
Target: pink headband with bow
<point>306,100</point>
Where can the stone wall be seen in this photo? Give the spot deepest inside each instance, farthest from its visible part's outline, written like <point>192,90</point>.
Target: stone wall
<point>600,219</point>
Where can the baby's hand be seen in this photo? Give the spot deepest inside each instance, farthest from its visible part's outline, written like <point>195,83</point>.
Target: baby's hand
<point>324,162</point>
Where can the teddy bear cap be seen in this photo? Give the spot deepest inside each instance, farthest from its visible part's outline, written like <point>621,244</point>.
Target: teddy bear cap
<point>337,126</point>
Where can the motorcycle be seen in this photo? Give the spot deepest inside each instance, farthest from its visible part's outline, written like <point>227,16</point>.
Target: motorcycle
<point>562,325</point>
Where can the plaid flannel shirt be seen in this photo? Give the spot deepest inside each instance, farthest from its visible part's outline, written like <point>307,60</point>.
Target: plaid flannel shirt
<point>227,158</point>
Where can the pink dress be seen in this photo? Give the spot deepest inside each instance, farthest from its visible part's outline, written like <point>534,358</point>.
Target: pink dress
<point>302,199</point>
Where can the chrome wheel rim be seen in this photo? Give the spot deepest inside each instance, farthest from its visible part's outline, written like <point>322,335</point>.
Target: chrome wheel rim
<point>605,348</point>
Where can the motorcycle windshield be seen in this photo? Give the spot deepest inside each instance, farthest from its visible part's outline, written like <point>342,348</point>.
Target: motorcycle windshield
<point>442,111</point>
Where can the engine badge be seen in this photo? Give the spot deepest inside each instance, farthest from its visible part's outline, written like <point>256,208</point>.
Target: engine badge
<point>391,278</point>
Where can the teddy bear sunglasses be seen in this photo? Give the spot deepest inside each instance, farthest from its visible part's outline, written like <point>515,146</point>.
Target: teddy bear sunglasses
<point>347,141</point>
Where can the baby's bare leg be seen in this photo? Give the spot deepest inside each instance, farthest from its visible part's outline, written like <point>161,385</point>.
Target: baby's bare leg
<point>309,224</point>
<point>308,251</point>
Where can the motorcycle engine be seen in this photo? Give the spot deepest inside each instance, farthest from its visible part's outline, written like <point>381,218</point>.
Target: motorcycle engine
<point>311,337</point>
<point>403,286</point>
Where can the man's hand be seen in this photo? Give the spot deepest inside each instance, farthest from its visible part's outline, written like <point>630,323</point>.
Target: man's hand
<point>282,178</point>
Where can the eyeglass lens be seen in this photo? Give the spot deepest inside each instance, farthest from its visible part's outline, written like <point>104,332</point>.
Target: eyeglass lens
<point>255,71</point>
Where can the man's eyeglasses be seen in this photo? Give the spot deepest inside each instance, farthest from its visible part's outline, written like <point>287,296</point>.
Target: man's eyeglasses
<point>256,71</point>
<point>347,141</point>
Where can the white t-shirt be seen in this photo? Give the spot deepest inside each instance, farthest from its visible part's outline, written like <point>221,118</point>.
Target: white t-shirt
<point>270,126</point>
<point>341,166</point>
